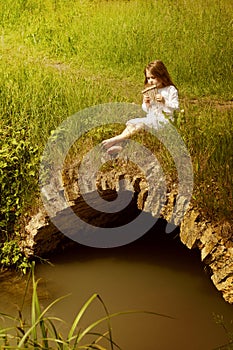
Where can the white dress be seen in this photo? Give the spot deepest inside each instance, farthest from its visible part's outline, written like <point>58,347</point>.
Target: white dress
<point>159,113</point>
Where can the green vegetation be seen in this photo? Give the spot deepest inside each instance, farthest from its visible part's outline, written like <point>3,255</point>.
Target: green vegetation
<point>58,57</point>
<point>12,256</point>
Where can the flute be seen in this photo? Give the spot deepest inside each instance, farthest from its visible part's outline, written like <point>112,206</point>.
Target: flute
<point>151,92</point>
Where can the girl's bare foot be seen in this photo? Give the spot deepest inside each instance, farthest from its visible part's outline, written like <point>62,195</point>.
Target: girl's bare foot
<point>110,142</point>
<point>114,149</point>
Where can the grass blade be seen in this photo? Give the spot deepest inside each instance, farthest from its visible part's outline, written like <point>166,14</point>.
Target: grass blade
<point>79,316</point>
<point>30,330</point>
<point>94,324</point>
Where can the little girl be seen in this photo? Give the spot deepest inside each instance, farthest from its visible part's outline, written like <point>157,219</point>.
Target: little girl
<point>159,109</point>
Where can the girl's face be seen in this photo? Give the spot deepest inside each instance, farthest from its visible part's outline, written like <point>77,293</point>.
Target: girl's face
<point>152,80</point>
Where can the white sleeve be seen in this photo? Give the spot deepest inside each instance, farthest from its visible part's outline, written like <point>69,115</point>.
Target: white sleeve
<point>145,108</point>
<point>171,101</point>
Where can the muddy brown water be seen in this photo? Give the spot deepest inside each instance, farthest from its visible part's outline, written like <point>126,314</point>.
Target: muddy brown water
<point>155,273</point>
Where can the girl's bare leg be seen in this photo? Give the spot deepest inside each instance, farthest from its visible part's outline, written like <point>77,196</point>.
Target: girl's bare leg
<point>126,133</point>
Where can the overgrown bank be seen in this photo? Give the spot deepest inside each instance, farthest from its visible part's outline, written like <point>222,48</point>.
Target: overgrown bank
<point>58,58</point>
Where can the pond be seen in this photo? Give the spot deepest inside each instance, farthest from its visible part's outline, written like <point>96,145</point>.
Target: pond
<point>155,273</point>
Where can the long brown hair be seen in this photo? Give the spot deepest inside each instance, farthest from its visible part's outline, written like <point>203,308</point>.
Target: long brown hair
<point>158,69</point>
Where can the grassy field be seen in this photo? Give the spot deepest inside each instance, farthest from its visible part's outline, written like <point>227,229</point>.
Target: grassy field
<point>59,56</point>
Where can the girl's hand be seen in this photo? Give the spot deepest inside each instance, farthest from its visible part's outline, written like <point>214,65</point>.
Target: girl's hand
<point>160,98</point>
<point>146,99</point>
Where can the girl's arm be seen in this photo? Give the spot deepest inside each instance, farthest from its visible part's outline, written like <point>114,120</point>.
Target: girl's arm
<point>171,100</point>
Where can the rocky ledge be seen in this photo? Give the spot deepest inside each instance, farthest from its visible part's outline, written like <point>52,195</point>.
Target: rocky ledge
<point>214,241</point>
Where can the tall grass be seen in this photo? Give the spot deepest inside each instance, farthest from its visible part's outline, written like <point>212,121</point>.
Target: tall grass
<point>58,57</point>
<point>193,38</point>
<point>207,130</point>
